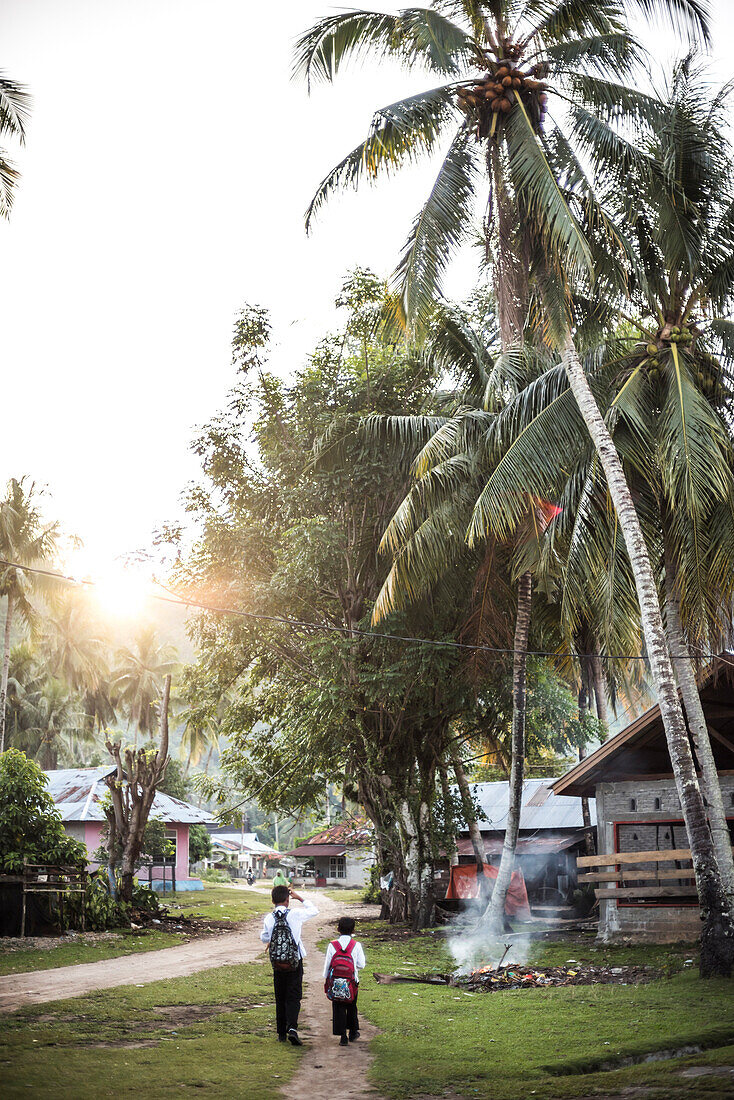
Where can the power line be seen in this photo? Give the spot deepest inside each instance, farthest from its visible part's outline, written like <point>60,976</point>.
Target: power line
<point>184,601</point>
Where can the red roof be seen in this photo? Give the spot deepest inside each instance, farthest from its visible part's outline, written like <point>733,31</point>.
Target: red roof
<point>357,833</point>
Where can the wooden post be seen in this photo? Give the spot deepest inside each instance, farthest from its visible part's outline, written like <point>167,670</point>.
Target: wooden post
<point>22,919</point>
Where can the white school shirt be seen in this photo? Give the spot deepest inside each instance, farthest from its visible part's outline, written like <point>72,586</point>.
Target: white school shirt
<point>357,956</point>
<point>295,919</point>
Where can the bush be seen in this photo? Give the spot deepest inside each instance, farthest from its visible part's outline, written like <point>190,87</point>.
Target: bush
<point>372,893</point>
<point>200,843</point>
<point>30,824</point>
<point>215,876</point>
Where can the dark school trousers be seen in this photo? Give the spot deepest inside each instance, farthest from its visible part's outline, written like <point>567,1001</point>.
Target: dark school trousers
<point>288,985</point>
<point>344,1017</point>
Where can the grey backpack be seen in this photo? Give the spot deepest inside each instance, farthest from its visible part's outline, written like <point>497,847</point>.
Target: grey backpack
<point>284,953</point>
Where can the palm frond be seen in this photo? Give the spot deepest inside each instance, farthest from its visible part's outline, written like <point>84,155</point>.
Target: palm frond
<point>417,36</point>
<point>15,108</point>
<point>400,133</point>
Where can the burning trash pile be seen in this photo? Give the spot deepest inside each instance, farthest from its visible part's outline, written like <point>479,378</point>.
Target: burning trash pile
<point>488,979</point>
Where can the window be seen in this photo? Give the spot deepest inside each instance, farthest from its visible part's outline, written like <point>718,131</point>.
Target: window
<point>171,838</point>
<point>657,803</point>
<point>633,804</point>
<point>337,867</point>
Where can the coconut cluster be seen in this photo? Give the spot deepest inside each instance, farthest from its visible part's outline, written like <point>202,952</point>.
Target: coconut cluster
<point>491,97</point>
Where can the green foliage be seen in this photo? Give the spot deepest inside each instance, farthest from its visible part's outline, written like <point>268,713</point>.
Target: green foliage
<point>30,825</point>
<point>200,843</point>
<point>155,842</point>
<point>213,875</point>
<point>372,893</point>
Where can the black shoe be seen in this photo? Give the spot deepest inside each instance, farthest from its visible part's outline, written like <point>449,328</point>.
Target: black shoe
<point>282,1038</point>
<point>293,1037</point>
<point>353,1036</point>
<point>344,1042</point>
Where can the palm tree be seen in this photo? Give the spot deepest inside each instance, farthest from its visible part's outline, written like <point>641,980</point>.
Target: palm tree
<point>24,540</point>
<point>504,111</point>
<point>53,722</point>
<point>15,103</point>
<point>139,677</point>
<point>75,651</point>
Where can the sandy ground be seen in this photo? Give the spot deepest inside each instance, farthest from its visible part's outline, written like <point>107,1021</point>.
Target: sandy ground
<point>323,1067</point>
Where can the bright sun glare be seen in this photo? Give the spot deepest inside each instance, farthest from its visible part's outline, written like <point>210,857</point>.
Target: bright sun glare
<point>120,591</point>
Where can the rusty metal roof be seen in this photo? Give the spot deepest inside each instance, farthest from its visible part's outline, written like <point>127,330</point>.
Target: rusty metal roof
<point>531,846</point>
<point>78,792</point>
<point>306,850</point>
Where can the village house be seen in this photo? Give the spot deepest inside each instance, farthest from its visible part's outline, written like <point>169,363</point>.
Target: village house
<point>342,855</point>
<point>550,840</point>
<point>240,852</point>
<point>647,889</point>
<point>78,794</point>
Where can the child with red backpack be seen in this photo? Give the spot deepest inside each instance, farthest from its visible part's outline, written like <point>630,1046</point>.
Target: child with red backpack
<point>344,960</point>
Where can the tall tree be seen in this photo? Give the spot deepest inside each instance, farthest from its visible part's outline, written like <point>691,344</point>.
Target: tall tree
<point>24,540</point>
<point>533,220</point>
<point>139,675</point>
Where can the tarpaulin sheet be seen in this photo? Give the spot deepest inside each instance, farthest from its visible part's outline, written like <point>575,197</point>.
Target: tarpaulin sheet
<point>464,884</point>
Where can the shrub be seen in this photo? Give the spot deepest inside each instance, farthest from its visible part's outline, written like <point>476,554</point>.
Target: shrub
<point>200,843</point>
<point>215,876</point>
<point>30,824</point>
<point>372,893</point>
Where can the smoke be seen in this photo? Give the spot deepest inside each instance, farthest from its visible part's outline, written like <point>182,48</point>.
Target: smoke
<point>473,946</point>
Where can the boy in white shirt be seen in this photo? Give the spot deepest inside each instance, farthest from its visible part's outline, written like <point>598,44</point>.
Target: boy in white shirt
<point>345,1022</point>
<point>288,984</point>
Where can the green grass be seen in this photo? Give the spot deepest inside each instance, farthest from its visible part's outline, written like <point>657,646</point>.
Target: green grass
<point>212,1032</point>
<point>24,960</point>
<point>218,903</point>
<point>541,1043</point>
<point>346,897</point>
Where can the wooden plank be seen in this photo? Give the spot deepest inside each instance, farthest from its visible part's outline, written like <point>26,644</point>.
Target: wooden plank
<point>647,892</point>
<point>635,874</point>
<point>611,858</point>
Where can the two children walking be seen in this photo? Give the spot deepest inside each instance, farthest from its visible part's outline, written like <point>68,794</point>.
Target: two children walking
<point>282,930</point>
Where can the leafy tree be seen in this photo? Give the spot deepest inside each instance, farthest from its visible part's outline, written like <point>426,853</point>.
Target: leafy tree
<point>200,843</point>
<point>533,221</point>
<point>30,824</point>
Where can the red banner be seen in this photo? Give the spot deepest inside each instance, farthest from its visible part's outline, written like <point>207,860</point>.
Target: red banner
<point>464,884</point>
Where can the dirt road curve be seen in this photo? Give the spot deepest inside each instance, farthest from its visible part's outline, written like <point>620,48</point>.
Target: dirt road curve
<point>19,990</point>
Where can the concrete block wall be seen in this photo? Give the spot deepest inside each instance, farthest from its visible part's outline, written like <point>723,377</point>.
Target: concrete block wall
<point>614,804</point>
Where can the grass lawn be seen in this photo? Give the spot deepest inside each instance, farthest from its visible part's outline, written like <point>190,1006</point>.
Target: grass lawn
<point>543,1043</point>
<point>212,1032</point>
<point>346,897</point>
<point>216,902</point>
<point>24,960</point>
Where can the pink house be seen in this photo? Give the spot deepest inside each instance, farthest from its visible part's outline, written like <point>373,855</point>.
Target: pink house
<point>78,793</point>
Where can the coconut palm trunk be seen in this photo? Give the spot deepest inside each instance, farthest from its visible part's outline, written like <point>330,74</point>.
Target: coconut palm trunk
<point>686,675</point>
<point>6,668</point>
<point>717,936</point>
<point>496,911</point>
<point>467,806</point>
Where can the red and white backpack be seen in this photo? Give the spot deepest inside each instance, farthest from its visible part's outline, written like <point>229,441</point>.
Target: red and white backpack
<point>341,981</point>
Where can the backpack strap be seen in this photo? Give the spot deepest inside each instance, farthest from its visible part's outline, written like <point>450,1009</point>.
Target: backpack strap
<point>338,949</point>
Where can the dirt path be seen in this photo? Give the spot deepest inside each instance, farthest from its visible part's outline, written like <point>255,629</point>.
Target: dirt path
<point>327,1070</point>
<point>19,990</point>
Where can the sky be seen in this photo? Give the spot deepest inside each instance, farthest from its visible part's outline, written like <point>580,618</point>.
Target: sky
<point>169,162</point>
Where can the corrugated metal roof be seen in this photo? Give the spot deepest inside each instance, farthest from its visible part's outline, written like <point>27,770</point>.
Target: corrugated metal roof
<point>539,810</point>
<point>531,846</point>
<point>305,850</point>
<point>234,842</point>
<point>78,792</point>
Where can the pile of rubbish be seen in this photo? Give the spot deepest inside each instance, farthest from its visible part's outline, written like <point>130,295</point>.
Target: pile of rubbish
<point>488,979</point>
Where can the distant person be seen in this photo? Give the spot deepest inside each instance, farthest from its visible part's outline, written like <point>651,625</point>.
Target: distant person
<point>344,960</point>
<point>279,879</point>
<point>282,931</point>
